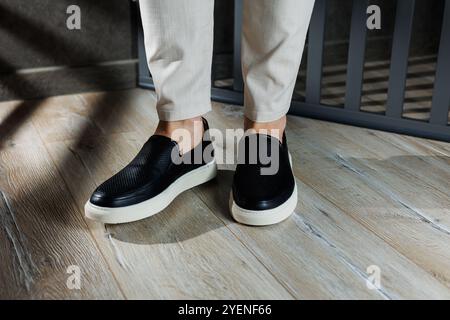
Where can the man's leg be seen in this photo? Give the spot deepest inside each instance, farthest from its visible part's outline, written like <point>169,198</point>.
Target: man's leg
<point>178,39</point>
<point>274,34</point>
<point>273,39</point>
<point>178,43</point>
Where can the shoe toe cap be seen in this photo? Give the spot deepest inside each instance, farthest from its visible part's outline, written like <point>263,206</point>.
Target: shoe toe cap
<point>250,201</point>
<point>100,198</point>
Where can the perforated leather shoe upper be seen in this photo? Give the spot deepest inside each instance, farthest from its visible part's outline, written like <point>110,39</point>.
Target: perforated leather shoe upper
<point>148,174</point>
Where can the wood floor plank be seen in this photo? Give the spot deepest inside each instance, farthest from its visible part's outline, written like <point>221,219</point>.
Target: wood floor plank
<point>293,254</point>
<point>365,198</point>
<point>290,250</point>
<point>122,111</point>
<point>62,117</point>
<point>388,218</point>
<point>41,230</point>
<point>400,277</point>
<point>352,241</point>
<point>408,180</point>
<point>406,153</point>
<point>185,252</point>
<point>14,127</point>
<point>439,148</point>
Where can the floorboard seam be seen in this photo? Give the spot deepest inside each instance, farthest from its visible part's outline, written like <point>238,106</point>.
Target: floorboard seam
<point>381,188</point>
<point>94,240</point>
<point>361,274</point>
<point>374,233</point>
<point>288,290</point>
<point>27,267</point>
<point>403,148</point>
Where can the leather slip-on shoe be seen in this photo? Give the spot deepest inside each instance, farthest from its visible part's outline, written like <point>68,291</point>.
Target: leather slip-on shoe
<point>259,199</point>
<point>151,181</point>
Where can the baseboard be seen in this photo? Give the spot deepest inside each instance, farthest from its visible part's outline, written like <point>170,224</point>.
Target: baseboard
<point>51,81</point>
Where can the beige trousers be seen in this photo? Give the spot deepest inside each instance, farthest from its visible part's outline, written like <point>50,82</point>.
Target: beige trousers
<point>179,43</point>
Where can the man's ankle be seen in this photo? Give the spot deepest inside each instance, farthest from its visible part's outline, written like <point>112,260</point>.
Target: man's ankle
<point>188,133</point>
<point>274,128</point>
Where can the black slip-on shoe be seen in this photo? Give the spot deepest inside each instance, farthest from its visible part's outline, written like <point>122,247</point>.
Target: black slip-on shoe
<point>151,181</point>
<point>264,191</point>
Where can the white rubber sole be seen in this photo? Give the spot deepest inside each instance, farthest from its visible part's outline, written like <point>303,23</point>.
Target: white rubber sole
<point>154,205</point>
<point>264,217</point>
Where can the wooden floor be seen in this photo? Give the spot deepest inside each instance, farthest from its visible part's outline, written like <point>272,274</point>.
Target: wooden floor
<point>368,200</point>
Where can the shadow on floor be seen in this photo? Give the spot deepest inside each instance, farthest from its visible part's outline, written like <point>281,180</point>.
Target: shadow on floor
<point>181,221</point>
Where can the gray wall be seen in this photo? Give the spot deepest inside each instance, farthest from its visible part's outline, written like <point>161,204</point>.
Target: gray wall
<point>39,56</point>
<point>34,33</point>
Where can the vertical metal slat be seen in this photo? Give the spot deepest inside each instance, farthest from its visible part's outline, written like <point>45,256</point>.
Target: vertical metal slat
<point>316,40</point>
<point>356,55</point>
<point>399,57</point>
<point>238,82</point>
<point>441,94</point>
